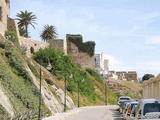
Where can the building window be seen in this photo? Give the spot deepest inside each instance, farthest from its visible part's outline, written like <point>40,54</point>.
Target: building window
<point>0,13</point>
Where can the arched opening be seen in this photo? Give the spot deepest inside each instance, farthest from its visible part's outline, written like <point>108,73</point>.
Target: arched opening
<point>32,50</point>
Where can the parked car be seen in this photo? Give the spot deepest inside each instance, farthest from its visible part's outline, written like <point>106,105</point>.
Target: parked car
<point>123,99</point>
<point>122,106</point>
<point>131,110</point>
<point>148,109</point>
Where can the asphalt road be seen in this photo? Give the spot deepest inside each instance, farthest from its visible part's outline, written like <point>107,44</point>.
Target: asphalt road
<point>97,113</point>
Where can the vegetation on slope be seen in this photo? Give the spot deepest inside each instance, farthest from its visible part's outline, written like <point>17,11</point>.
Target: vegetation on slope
<point>91,90</point>
<point>14,78</point>
<point>3,114</point>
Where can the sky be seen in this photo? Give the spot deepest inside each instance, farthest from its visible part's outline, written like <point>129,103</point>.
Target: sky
<point>126,31</point>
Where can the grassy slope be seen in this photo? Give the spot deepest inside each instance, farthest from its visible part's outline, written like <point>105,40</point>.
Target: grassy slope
<point>18,85</point>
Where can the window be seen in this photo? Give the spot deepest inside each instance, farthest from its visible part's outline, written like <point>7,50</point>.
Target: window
<point>0,13</point>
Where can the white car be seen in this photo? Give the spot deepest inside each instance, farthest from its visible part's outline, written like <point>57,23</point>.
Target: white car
<point>123,99</point>
<point>148,109</point>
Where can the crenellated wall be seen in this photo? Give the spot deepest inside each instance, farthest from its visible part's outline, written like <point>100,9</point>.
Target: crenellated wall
<point>151,88</point>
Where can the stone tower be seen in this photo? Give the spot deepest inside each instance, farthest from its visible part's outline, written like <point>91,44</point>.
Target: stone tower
<point>4,15</point>
<point>75,48</point>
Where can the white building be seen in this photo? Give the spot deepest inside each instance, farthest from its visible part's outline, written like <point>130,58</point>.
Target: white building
<point>101,64</point>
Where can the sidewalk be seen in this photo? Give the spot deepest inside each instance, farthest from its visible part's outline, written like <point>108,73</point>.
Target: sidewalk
<point>63,116</point>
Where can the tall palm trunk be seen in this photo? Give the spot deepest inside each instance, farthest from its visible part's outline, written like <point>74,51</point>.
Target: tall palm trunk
<point>26,26</point>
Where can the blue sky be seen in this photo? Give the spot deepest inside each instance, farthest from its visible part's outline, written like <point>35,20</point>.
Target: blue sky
<point>127,31</point>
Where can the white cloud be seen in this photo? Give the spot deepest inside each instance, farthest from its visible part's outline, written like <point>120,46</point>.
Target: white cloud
<point>153,40</point>
<point>115,64</point>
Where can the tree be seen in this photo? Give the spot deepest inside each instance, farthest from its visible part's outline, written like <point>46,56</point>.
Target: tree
<point>147,77</point>
<point>24,20</point>
<point>48,33</point>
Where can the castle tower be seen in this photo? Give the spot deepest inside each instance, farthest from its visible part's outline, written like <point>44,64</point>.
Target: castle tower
<point>4,15</point>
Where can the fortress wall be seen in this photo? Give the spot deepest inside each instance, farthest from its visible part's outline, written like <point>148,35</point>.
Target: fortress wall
<point>4,14</point>
<point>31,44</point>
<point>59,44</point>
<point>82,58</point>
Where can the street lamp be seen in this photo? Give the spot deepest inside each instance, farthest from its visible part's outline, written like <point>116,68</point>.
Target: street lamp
<point>49,67</point>
<point>78,90</point>
<point>65,91</point>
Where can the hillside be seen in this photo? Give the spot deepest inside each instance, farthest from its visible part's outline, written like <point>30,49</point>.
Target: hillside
<point>19,83</point>
<point>126,88</point>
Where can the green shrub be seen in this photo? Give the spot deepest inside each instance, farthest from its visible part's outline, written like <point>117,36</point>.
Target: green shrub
<point>10,35</point>
<point>33,69</point>
<point>23,50</point>
<point>2,44</point>
<point>49,81</point>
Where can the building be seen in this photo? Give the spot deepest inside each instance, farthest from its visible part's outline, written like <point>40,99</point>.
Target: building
<point>106,66</point>
<point>132,76</point>
<point>4,15</point>
<point>101,64</point>
<point>121,75</point>
<point>112,75</point>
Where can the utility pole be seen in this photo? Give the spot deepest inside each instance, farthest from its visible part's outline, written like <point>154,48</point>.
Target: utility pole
<point>65,93</point>
<point>106,96</point>
<point>40,94</point>
<point>78,93</point>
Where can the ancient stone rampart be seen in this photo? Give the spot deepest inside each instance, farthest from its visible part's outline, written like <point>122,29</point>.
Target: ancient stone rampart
<point>82,58</point>
<point>31,45</point>
<point>59,44</point>
<point>4,14</point>
<point>151,88</point>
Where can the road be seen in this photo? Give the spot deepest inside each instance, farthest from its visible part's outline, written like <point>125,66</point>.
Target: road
<point>97,113</point>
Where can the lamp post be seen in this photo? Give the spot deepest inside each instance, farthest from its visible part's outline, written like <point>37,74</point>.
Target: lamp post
<point>40,99</point>
<point>65,85</point>
<point>78,90</point>
<point>49,67</point>
<point>65,93</point>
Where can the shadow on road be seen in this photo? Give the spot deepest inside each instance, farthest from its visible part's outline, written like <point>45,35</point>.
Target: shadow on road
<point>116,114</point>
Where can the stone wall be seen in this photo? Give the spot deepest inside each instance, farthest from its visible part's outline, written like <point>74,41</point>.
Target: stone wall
<point>13,26</point>
<point>82,58</point>
<point>151,88</point>
<point>31,44</point>
<point>59,44</point>
<point>4,14</point>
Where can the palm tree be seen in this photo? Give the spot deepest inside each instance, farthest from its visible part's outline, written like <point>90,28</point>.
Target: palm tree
<point>48,33</point>
<point>25,19</point>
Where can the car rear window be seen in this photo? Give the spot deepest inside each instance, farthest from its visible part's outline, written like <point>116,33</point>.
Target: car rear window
<point>151,107</point>
<point>124,99</point>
